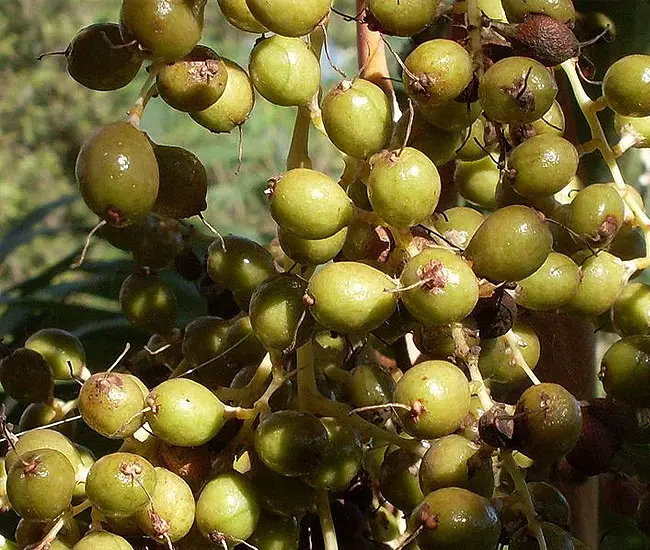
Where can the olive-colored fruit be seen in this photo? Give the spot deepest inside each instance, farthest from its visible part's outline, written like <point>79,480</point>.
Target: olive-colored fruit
<point>624,368</point>
<point>102,540</point>
<point>548,422</point>
<point>311,251</point>
<point>635,130</point>
<point>556,539</point>
<point>279,494</point>
<point>26,376</point>
<point>203,339</point>
<point>31,532</point>
<point>401,18</point>
<point>562,10</point>
<point>511,244</point>
<point>61,349</point>
<point>496,361</point>
<point>42,439</point>
<point>120,484</point>
<point>597,212</point>
<point>169,29</point>
<point>477,181</point>
<point>351,298</point>
<point>452,116</point>
<point>228,507</point>
<point>441,287</point>
<point>626,86</point>
<point>148,302</point>
<point>112,404</point>
<point>117,174</point>
<point>457,225</point>
<point>357,116</point>
<point>275,532</point>
<point>453,518</point>
<point>98,58</point>
<point>398,480</point>
<point>474,146</point>
<point>239,15</point>
<point>184,412</point>
<point>368,385</point>
<point>631,311</point>
<point>290,17</point>
<point>551,286</point>
<point>437,394</point>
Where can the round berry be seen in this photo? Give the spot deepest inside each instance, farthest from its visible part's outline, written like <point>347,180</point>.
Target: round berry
<point>102,540</point>
<point>398,480</point>
<point>239,15</point>
<point>148,302</point>
<point>625,367</point>
<point>551,286</point>
<point>311,251</point>
<point>290,17</point>
<point>457,225</point>
<point>400,18</point>
<point>26,376</point>
<point>631,311</point>
<point>496,361</point>
<point>477,181</point>
<point>61,349</point>
<point>626,86</point>
<point>597,212</point>
<point>562,10</point>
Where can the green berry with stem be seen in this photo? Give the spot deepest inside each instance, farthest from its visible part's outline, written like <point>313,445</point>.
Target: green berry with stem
<point>148,302</point>
<point>496,361</point>
<point>597,212</point>
<point>401,18</point>
<point>477,181</point>
<point>457,225</point>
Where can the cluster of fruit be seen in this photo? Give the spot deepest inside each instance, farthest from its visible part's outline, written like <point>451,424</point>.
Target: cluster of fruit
<point>366,381</point>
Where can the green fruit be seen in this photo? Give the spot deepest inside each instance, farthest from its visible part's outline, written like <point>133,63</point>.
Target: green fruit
<point>562,10</point>
<point>203,339</point>
<point>227,508</point>
<point>551,286</point>
<point>351,298</point>
<point>403,187</point>
<point>454,461</point>
<point>278,313</point>
<point>40,484</point>
<point>117,174</point>
<point>441,287</point>
<point>31,532</point>
<point>194,82</point>
<point>309,204</point>
<point>42,439</point>
<point>310,251</point>
<point>184,413</point>
<point>239,15</point>
<point>452,116</point>
<point>635,129</point>
<point>597,212</point>
<point>474,146</point>
<point>366,242</point>
<point>553,123</point>
<point>170,513</point>
<point>275,533</point>
<point>401,18</point>
<point>517,89</point>
<point>437,71</point>
<point>279,494</point>
<point>542,165</point>
<point>549,503</point>
<point>26,376</point>
<point>61,349</point>
<point>477,181</point>
<point>357,116</point>
<point>368,385</point>
<point>112,404</point>
<point>624,368</point>
<point>291,443</point>
<point>556,539</point>
<point>626,86</point>
<point>290,17</point>
<point>631,311</point>
<point>99,60</point>
<point>438,395</point>
<point>602,278</point>
<point>285,71</point>
<point>548,422</point>
<point>496,362</point>
<point>342,458</point>
<point>168,29</point>
<point>398,480</point>
<point>102,540</point>
<point>43,413</point>
<point>183,183</point>
<point>457,225</point>
<point>454,518</point>
<point>511,244</point>
<point>148,302</point>
<point>234,106</point>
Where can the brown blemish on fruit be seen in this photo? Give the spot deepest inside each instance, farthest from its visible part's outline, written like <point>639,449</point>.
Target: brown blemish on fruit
<point>428,518</point>
<point>202,72</point>
<point>158,523</point>
<point>433,276</point>
<point>114,216</point>
<point>417,409</point>
<point>308,300</point>
<point>519,91</point>
<point>608,229</point>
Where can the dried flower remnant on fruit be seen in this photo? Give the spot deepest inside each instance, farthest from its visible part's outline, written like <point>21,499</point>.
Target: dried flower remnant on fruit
<point>428,519</point>
<point>433,276</point>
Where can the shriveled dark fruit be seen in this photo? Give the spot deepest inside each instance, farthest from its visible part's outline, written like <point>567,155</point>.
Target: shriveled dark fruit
<point>290,17</point>
<point>542,38</point>
<point>40,484</point>
<point>98,58</point>
<point>184,412</point>
<point>624,369</point>
<point>517,89</point>
<point>285,71</point>
<point>26,376</point>
<point>548,422</point>
<point>309,203</point>
<point>169,29</point>
<point>170,513</point>
<point>194,82</point>
<point>441,287</point>
<point>291,443</point>
<point>228,507</point>
<point>278,313</point>
<point>357,116</point>
<point>117,174</point>
<point>102,540</point>
<point>148,302</point>
<point>239,15</point>
<point>437,71</point>
<point>518,10</point>
<point>453,518</point>
<point>350,297</point>
<point>495,315</point>
<point>61,349</point>
<point>626,86</point>
<point>112,404</point>
<point>511,244</point>
<point>556,538</point>
<point>311,251</point>
<point>234,106</point>
<point>241,266</point>
<point>400,18</point>
<point>183,183</point>
<point>437,394</point>
<point>454,461</point>
<point>119,484</point>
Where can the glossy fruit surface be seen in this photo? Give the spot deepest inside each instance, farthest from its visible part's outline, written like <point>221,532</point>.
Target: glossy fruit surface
<point>597,212</point>
<point>457,224</point>
<point>631,312</point>
<point>148,302</point>
<point>239,15</point>
<point>398,480</point>
<point>624,369</point>
<point>357,116</point>
<point>626,86</point>
<point>438,394</point>
<point>401,18</point>
<point>61,349</point>
<point>517,10</point>
<point>290,17</point>
<point>551,286</point>
<point>102,540</point>
<point>42,439</point>
<point>496,361</point>
<point>478,180</point>
<point>311,251</point>
<point>117,173</point>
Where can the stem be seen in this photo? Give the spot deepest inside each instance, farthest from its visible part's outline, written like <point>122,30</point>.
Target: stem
<point>46,541</point>
<point>250,392</point>
<point>470,357</point>
<point>514,343</point>
<point>76,510</point>
<point>474,25</point>
<point>326,521</point>
<point>298,156</point>
<point>371,55</point>
<point>148,90</point>
<point>529,508</point>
